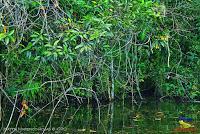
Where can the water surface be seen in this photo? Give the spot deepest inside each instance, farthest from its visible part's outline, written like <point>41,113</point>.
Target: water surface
<point>117,117</point>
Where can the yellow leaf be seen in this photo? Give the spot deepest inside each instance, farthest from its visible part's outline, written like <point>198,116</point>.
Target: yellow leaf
<point>164,38</point>
<point>184,124</point>
<point>69,20</point>
<point>4,29</point>
<point>22,113</point>
<point>157,46</point>
<point>24,105</point>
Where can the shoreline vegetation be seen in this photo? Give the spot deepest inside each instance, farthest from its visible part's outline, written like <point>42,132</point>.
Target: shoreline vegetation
<point>70,51</point>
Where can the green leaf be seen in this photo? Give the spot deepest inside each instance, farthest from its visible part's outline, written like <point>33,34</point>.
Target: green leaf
<point>94,35</point>
<point>163,44</point>
<point>47,53</point>
<point>11,32</point>
<point>55,54</point>
<point>79,46</point>
<point>143,35</point>
<point>65,48</point>
<point>60,53</point>
<point>2,36</point>
<point>59,47</point>
<point>35,35</point>
<point>27,48</point>
<point>48,45</point>
<point>37,58</point>
<point>56,42</point>
<point>7,40</point>
<point>12,39</point>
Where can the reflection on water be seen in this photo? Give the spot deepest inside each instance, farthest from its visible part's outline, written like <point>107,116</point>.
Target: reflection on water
<point>118,117</point>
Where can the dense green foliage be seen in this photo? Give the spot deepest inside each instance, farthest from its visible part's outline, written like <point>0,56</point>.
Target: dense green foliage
<point>85,48</point>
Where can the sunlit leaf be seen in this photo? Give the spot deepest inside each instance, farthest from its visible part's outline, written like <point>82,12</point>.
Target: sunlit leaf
<point>2,36</point>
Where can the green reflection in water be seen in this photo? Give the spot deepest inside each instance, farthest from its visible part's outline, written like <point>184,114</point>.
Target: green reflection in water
<point>118,117</point>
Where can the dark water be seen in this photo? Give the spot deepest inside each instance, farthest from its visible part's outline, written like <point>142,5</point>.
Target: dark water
<point>118,117</point>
